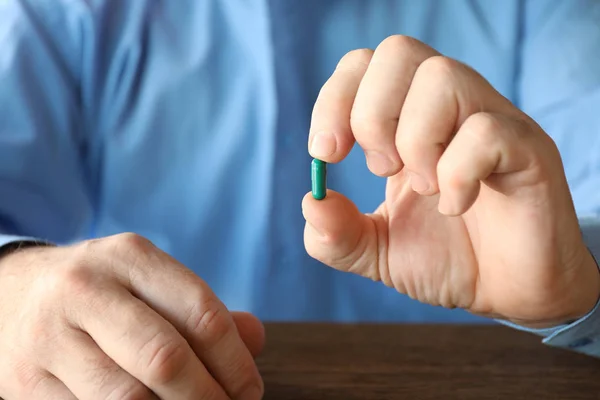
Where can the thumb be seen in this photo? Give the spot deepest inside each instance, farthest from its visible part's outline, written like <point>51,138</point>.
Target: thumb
<point>340,236</point>
<point>251,331</point>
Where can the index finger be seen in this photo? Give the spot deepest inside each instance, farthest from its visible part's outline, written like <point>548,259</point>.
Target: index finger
<point>330,137</point>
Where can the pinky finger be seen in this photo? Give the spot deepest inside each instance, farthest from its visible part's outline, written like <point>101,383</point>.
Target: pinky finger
<point>486,144</point>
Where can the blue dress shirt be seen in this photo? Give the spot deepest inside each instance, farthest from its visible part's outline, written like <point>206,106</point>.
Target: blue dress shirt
<point>186,121</point>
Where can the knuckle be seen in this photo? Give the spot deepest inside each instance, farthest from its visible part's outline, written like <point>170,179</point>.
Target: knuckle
<point>398,44</point>
<point>367,127</point>
<point>37,334</point>
<point>210,321</point>
<point>74,277</point>
<point>482,128</point>
<point>331,240</point>
<point>356,60</point>
<point>138,251</point>
<point>438,67</point>
<point>411,146</point>
<point>164,358</point>
<point>41,333</point>
<point>316,243</point>
<point>87,252</point>
<point>133,242</point>
<point>454,182</point>
<point>448,177</point>
<point>29,380</point>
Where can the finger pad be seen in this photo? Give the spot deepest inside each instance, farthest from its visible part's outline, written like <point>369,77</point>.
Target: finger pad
<point>334,226</point>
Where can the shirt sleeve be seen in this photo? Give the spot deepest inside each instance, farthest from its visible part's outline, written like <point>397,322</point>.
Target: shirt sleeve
<point>560,88</point>
<point>43,192</point>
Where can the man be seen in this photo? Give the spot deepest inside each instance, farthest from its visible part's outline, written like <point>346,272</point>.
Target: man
<point>185,122</point>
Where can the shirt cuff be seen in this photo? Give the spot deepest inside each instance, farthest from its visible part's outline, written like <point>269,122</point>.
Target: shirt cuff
<point>583,335</point>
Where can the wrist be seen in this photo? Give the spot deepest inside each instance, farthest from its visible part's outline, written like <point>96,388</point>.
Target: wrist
<point>12,252</point>
<point>19,245</point>
<point>582,294</point>
<point>575,298</point>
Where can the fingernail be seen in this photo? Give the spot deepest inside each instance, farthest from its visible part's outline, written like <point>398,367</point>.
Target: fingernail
<point>379,163</point>
<point>323,145</point>
<point>418,184</point>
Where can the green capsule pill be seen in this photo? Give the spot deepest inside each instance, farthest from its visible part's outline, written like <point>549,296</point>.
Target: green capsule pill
<point>319,179</point>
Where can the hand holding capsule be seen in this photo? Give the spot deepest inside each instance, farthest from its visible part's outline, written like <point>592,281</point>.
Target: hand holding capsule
<point>477,211</point>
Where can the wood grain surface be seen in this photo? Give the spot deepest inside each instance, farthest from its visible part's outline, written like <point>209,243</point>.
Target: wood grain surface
<point>351,362</point>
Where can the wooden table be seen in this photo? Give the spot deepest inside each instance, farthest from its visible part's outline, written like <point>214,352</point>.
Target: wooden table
<point>324,361</point>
